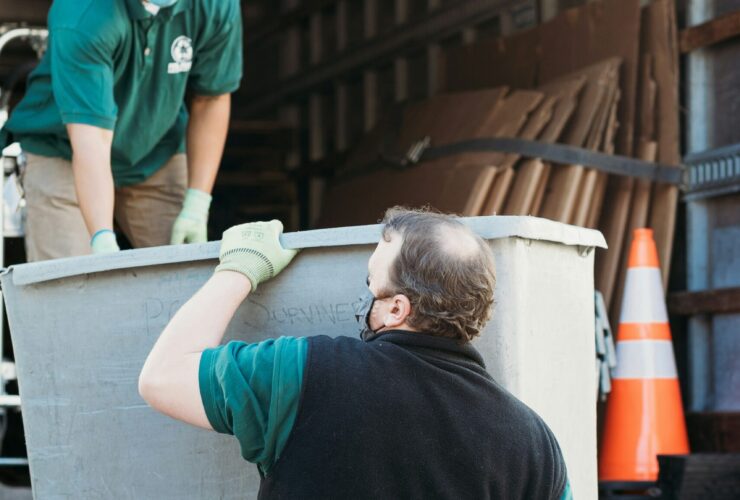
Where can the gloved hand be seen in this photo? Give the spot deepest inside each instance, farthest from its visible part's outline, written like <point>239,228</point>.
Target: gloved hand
<point>191,226</point>
<point>104,241</point>
<point>254,250</point>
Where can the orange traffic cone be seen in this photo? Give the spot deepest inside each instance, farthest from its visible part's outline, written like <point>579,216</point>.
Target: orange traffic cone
<point>644,415</point>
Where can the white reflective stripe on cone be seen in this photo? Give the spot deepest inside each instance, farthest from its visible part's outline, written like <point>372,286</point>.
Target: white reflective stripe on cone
<point>645,359</point>
<point>644,300</point>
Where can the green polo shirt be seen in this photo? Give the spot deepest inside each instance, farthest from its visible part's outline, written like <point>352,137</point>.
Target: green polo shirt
<point>252,391</point>
<point>112,64</point>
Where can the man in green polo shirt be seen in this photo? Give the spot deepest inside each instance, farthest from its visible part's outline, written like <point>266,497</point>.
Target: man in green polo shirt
<point>105,127</point>
<point>407,411</point>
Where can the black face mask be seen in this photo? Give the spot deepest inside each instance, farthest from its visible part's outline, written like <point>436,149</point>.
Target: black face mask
<point>363,308</point>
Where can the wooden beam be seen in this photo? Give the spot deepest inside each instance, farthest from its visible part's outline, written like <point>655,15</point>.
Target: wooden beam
<point>712,432</point>
<point>442,21</point>
<point>291,15</point>
<point>24,11</point>
<point>342,20</point>
<point>717,301</point>
<point>371,18</point>
<point>711,32</point>
<point>401,64</point>
<point>316,130</point>
<point>342,123</point>
<point>316,41</point>
<point>370,93</point>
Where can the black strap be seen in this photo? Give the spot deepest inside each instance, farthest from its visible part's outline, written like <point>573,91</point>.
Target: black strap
<point>421,151</point>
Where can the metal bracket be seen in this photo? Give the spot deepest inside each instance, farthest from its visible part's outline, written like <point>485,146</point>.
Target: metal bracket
<point>715,172</point>
<point>417,149</point>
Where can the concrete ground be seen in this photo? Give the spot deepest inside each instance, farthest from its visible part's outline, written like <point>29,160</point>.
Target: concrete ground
<point>8,493</point>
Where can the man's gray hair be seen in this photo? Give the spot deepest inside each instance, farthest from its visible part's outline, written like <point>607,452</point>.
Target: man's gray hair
<point>446,271</point>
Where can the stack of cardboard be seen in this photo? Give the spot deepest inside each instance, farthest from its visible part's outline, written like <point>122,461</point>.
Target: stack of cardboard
<point>602,76</point>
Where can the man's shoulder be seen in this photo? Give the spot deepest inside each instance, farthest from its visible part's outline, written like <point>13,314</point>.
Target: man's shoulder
<point>341,341</point>
<point>92,19</point>
<point>218,11</point>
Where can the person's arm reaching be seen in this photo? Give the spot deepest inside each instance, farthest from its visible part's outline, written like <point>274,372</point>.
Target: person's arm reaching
<point>206,136</point>
<point>82,82</point>
<point>91,165</point>
<point>250,254</point>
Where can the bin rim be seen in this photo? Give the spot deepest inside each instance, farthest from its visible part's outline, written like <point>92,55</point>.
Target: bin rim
<point>488,227</point>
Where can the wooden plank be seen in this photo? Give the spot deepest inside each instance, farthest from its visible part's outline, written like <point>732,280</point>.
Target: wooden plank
<point>370,98</point>
<point>458,184</point>
<point>717,301</point>
<point>371,18</point>
<point>433,68</point>
<point>393,135</point>
<point>401,64</point>
<point>342,25</point>
<point>479,65</point>
<point>32,12</point>
<point>592,177</point>
<point>316,48</point>
<point>647,150</point>
<point>348,202</point>
<point>470,118</point>
<point>316,127</point>
<point>372,52</point>
<point>638,217</point>
<point>618,199</point>
<point>341,107</point>
<point>612,225</point>
<point>533,172</point>
<point>709,33</point>
<point>539,194</point>
<point>291,15</point>
<point>661,42</point>
<point>561,195</point>
<point>504,177</point>
<point>699,475</point>
<point>504,121</point>
<point>714,431</point>
<point>591,33</point>
<point>599,191</point>
<point>448,118</point>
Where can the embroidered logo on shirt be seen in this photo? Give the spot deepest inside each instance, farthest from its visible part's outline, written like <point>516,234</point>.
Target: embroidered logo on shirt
<point>182,53</point>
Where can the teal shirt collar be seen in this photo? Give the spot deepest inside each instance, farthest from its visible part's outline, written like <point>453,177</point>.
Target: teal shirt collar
<point>137,11</point>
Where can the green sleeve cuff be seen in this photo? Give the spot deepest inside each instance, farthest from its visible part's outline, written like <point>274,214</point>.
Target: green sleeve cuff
<point>252,391</point>
<point>210,396</point>
<point>218,90</point>
<point>105,122</point>
<point>567,493</point>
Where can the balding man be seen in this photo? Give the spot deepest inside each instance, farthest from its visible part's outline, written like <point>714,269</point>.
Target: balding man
<point>407,411</point>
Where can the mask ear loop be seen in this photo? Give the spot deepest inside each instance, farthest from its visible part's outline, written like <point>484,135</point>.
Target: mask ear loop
<point>368,333</point>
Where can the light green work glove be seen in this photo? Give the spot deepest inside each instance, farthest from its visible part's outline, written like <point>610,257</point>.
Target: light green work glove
<point>191,226</point>
<point>254,250</point>
<point>104,241</point>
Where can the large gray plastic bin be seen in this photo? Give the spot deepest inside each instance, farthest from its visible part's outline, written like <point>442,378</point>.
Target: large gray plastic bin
<point>82,327</point>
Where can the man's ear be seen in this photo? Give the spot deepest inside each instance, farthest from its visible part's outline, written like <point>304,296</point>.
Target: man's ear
<point>399,311</point>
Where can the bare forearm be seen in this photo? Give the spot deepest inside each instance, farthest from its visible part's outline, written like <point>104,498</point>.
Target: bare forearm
<point>95,194</point>
<point>169,378</point>
<point>206,136</point>
<point>201,321</point>
<point>92,174</point>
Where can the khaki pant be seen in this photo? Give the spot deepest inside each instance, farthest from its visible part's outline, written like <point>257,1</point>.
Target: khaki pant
<point>55,228</point>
